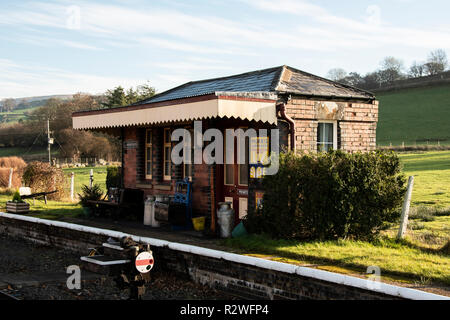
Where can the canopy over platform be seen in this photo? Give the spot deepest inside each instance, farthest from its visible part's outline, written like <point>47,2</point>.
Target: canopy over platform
<point>250,106</point>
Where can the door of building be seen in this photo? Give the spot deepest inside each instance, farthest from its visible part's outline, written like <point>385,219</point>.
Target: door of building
<point>235,180</point>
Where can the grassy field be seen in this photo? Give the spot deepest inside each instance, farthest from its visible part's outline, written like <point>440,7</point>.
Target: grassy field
<point>431,171</point>
<point>411,115</point>
<point>16,115</point>
<point>20,151</point>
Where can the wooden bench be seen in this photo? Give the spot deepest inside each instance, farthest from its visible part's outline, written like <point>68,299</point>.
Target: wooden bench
<point>25,193</point>
<point>130,204</point>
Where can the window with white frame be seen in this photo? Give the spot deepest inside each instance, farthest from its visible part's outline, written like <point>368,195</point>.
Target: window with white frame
<point>326,136</point>
<point>148,154</point>
<point>167,153</point>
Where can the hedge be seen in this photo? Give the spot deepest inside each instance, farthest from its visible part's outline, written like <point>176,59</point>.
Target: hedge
<point>332,195</point>
<point>113,177</point>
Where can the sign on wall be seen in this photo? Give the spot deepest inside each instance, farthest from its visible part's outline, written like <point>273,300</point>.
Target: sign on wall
<point>130,144</point>
<point>259,155</point>
<point>259,199</point>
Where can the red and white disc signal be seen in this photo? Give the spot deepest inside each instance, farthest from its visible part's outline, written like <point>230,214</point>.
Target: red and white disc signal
<point>144,262</point>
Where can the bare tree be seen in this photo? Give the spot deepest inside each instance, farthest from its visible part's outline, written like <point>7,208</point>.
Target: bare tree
<point>353,79</point>
<point>336,74</point>
<point>437,62</point>
<point>391,70</point>
<point>8,104</point>
<point>416,70</point>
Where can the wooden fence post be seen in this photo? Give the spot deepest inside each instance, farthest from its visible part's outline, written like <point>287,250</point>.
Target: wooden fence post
<point>72,178</point>
<point>91,178</point>
<point>10,177</point>
<point>405,209</point>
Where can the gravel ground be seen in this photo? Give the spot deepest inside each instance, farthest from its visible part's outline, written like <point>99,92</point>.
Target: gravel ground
<point>20,258</point>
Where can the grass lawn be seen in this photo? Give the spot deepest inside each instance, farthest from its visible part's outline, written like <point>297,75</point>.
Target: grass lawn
<point>54,210</point>
<point>431,171</point>
<point>416,259</point>
<point>398,261</point>
<point>82,177</point>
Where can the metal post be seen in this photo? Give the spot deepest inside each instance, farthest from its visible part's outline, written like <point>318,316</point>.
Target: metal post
<point>405,209</point>
<point>72,179</point>
<point>48,140</point>
<point>10,177</point>
<point>91,178</point>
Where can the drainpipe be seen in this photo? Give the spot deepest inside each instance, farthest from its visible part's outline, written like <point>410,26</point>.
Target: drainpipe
<point>282,109</point>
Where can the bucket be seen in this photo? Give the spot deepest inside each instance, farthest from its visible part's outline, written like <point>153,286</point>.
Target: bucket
<point>198,223</point>
<point>239,231</point>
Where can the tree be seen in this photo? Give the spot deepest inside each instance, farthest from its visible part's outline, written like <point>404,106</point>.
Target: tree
<point>115,97</point>
<point>353,79</point>
<point>391,70</point>
<point>416,70</point>
<point>372,80</point>
<point>145,91</point>
<point>437,62</point>
<point>8,105</point>
<point>118,97</point>
<point>336,74</point>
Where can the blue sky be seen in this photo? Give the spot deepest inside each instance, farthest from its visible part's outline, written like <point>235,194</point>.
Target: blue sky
<point>63,47</point>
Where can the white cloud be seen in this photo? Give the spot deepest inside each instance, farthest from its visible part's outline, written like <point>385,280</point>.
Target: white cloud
<point>30,80</point>
<point>374,15</point>
<point>371,28</point>
<point>308,35</point>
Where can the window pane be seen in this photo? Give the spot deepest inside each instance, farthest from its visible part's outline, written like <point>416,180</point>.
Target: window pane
<point>325,132</point>
<point>149,154</point>
<point>328,132</point>
<point>325,136</point>
<point>167,153</point>
<point>167,168</point>
<point>149,137</point>
<point>243,168</point>
<point>229,174</point>
<point>149,169</point>
<point>243,174</point>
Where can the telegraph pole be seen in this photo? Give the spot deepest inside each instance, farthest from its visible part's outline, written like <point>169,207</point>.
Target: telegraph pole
<point>50,142</point>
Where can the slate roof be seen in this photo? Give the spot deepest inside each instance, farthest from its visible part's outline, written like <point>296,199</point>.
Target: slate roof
<point>281,79</point>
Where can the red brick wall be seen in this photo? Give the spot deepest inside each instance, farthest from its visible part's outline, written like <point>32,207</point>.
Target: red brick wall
<point>356,123</point>
<point>134,170</point>
<point>129,159</point>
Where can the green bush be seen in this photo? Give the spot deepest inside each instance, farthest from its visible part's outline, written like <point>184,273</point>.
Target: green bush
<point>113,177</point>
<point>17,197</point>
<point>329,196</point>
<point>95,193</point>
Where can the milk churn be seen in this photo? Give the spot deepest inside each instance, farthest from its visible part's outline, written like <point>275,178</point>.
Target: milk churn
<point>149,212</point>
<point>225,219</point>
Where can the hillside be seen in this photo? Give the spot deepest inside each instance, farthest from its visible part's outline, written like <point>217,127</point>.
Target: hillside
<point>24,106</point>
<point>414,116</point>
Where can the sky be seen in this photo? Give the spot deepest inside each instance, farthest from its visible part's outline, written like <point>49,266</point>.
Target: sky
<point>65,47</point>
